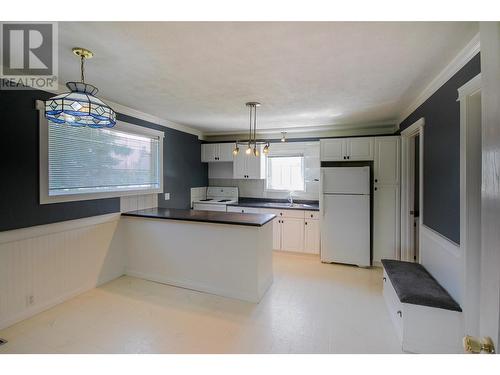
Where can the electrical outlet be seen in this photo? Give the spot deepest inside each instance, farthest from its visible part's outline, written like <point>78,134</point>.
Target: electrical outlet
<point>167,196</point>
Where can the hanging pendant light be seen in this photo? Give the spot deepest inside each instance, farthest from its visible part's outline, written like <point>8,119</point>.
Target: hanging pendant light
<point>252,145</point>
<point>80,106</point>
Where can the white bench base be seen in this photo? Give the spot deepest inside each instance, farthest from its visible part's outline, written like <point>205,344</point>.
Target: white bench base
<point>423,329</point>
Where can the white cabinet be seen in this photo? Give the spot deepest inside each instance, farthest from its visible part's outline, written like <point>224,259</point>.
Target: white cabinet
<point>311,236</point>
<point>249,166</point>
<point>332,149</point>
<point>217,152</point>
<point>387,160</point>
<point>346,149</point>
<point>360,148</point>
<point>386,199</point>
<point>292,234</point>
<point>386,225</point>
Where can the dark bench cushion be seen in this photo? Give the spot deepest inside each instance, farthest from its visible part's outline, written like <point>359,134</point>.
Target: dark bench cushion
<point>413,284</point>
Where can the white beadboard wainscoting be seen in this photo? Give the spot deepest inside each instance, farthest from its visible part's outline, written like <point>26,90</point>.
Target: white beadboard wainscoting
<point>442,258</point>
<point>45,265</point>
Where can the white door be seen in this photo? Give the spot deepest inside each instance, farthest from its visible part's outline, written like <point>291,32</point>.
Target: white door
<point>292,235</point>
<point>239,165</point>
<point>225,152</point>
<point>387,160</point>
<point>332,149</point>
<point>360,148</point>
<point>385,222</point>
<point>345,229</point>
<point>311,236</point>
<point>277,233</point>
<point>209,152</point>
<point>346,180</point>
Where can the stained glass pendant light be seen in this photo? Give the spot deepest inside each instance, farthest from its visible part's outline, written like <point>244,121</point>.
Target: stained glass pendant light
<point>252,145</point>
<point>80,106</point>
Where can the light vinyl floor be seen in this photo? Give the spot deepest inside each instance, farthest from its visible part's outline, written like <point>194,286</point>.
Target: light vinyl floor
<point>310,308</point>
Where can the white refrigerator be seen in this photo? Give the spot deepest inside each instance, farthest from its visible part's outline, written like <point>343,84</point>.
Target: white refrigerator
<point>345,217</point>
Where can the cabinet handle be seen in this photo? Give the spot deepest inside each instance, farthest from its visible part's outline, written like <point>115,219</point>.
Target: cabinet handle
<point>400,313</point>
<point>375,189</point>
<point>305,223</point>
<point>383,278</point>
<point>311,215</point>
<point>376,180</point>
<point>281,213</point>
<point>344,157</point>
<point>348,157</point>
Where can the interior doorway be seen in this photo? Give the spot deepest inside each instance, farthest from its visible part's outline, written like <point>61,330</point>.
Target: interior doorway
<point>412,140</point>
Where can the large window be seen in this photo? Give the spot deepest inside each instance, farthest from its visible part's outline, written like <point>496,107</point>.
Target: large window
<point>80,163</point>
<point>285,173</point>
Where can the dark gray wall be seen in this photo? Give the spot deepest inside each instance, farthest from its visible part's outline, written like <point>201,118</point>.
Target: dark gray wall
<point>182,166</point>
<point>442,153</point>
<point>19,187</point>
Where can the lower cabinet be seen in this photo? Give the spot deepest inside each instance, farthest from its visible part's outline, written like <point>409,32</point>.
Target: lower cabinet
<point>295,230</point>
<point>292,234</point>
<point>311,236</point>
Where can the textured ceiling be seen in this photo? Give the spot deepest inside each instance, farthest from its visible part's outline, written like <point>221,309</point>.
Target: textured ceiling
<point>305,74</point>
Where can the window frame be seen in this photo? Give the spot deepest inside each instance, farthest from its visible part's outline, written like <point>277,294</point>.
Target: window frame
<point>286,155</point>
<point>45,198</point>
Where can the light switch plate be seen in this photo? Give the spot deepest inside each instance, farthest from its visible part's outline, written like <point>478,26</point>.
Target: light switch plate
<point>167,196</point>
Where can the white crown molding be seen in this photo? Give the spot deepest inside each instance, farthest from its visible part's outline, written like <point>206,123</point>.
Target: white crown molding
<point>463,57</point>
<point>304,129</point>
<point>141,115</point>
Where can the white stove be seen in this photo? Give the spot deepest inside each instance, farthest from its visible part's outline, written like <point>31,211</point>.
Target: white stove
<point>217,199</point>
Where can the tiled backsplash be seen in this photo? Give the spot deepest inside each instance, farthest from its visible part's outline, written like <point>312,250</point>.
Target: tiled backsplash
<point>198,193</point>
<point>138,202</point>
<point>257,188</point>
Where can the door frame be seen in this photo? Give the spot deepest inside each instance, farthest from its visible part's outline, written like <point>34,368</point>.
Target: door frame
<point>470,204</point>
<point>407,183</point>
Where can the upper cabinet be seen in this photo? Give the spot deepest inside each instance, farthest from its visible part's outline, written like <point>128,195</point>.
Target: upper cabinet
<point>216,152</point>
<point>346,149</point>
<point>387,160</point>
<point>249,166</point>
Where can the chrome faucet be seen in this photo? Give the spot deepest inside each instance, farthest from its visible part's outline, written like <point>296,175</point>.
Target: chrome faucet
<point>290,197</point>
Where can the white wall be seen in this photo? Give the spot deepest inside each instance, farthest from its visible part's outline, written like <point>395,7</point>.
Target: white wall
<point>45,265</point>
<point>257,188</point>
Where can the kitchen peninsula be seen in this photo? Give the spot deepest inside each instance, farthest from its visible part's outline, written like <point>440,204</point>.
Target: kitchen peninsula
<point>228,254</point>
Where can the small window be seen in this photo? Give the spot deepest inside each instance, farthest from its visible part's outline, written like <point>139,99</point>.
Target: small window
<point>79,163</point>
<point>285,173</point>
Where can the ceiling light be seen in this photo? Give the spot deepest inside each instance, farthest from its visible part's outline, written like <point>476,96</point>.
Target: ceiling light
<point>252,143</point>
<point>80,106</point>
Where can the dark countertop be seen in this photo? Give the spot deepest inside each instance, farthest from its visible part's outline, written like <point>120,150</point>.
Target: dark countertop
<point>233,218</point>
<point>277,204</point>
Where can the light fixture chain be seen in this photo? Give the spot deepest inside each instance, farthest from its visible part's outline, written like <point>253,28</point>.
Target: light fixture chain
<point>82,68</point>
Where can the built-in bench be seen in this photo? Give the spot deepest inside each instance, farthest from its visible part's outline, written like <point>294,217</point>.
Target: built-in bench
<point>426,317</point>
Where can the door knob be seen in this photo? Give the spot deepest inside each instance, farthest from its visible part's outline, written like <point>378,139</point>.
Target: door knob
<point>478,345</point>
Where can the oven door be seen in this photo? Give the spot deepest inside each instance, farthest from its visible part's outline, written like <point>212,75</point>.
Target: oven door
<point>209,207</point>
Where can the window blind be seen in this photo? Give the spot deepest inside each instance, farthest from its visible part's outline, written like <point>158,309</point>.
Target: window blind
<point>85,160</point>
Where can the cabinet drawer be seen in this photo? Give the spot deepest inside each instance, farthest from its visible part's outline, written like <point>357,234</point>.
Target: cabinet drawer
<point>312,215</point>
<point>394,305</point>
<point>297,214</point>
<point>244,210</point>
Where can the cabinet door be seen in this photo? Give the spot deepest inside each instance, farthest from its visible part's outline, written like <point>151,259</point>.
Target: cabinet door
<point>209,152</point>
<point>311,236</point>
<point>292,235</point>
<point>277,233</point>
<point>360,148</point>
<point>225,152</point>
<point>387,162</point>
<point>332,149</point>
<point>239,165</point>
<point>385,222</point>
